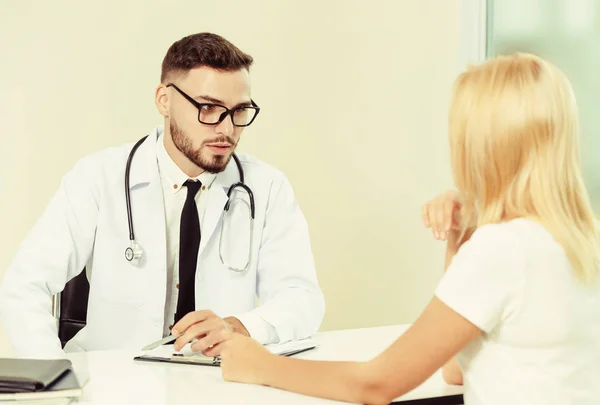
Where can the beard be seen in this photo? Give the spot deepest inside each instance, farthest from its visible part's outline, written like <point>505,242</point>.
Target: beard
<point>211,164</point>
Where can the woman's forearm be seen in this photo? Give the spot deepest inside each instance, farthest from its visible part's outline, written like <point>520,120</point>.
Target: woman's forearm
<point>341,381</point>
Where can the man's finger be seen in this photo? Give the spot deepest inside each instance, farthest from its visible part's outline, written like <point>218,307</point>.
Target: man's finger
<point>213,338</point>
<point>215,350</point>
<point>189,319</point>
<point>197,331</point>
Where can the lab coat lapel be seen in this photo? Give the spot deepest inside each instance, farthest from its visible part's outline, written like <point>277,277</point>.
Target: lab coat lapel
<point>153,212</point>
<point>147,203</point>
<point>217,198</point>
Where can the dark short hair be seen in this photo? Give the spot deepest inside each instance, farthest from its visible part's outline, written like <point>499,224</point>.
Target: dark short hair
<point>203,49</point>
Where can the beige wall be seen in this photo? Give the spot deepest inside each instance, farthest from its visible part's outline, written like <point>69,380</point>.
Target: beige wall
<point>353,96</point>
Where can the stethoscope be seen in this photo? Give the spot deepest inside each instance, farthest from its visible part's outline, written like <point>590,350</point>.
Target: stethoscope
<point>134,252</point>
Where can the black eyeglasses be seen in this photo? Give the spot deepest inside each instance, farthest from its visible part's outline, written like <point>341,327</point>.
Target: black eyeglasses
<point>213,114</point>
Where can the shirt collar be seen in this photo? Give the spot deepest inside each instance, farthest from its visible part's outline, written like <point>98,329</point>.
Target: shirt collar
<point>173,175</point>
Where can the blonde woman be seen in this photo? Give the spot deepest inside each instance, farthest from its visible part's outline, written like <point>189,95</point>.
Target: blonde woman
<point>519,305</point>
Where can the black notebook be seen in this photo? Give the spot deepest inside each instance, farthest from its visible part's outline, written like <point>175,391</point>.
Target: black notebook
<point>33,378</point>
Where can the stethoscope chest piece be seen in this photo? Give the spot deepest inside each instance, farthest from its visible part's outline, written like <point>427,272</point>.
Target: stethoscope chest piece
<point>134,253</point>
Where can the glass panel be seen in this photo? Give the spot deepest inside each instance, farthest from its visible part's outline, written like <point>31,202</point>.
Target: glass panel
<point>567,33</point>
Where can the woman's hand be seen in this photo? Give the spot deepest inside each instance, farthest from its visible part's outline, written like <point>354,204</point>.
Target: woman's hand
<point>442,214</point>
<point>245,360</point>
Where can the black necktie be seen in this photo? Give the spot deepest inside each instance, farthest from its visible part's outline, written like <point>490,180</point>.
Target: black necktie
<point>189,242</point>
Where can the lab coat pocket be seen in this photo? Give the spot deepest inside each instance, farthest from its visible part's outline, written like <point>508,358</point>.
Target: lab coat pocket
<point>126,284</point>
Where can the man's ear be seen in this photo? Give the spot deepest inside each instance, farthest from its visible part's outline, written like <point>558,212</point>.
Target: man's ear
<point>161,98</point>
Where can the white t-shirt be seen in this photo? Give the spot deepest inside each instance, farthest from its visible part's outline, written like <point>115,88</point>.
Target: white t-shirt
<point>541,327</point>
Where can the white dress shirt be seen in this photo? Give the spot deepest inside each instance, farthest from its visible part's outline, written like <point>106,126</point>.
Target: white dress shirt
<point>175,194</point>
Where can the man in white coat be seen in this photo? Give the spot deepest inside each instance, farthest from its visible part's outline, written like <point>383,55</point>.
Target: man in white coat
<point>190,269</point>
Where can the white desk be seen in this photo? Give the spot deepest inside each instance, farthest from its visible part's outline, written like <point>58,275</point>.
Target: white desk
<point>115,378</point>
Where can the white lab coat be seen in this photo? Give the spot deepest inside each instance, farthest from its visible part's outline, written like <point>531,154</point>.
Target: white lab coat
<point>85,224</point>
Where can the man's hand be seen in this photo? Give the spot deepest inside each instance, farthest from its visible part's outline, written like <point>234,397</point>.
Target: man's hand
<point>442,214</point>
<point>209,330</point>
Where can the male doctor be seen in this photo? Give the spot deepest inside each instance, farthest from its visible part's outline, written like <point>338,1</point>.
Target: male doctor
<point>190,269</point>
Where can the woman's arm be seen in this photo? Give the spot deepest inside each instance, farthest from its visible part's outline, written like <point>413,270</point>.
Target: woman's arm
<point>437,335</point>
<point>430,344</point>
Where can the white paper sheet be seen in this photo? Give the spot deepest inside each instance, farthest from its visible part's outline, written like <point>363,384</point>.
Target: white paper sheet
<point>166,351</point>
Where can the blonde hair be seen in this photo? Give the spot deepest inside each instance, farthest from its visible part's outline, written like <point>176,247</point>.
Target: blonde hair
<point>514,141</point>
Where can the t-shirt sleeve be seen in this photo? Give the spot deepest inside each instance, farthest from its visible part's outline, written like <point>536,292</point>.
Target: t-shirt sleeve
<point>482,280</point>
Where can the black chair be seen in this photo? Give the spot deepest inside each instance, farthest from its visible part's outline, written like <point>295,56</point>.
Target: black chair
<point>70,307</point>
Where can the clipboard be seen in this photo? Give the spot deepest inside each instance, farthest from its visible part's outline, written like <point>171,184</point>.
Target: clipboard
<point>181,359</point>
<point>200,360</point>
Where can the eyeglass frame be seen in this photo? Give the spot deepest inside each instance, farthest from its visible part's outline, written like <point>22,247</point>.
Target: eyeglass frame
<point>223,116</point>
